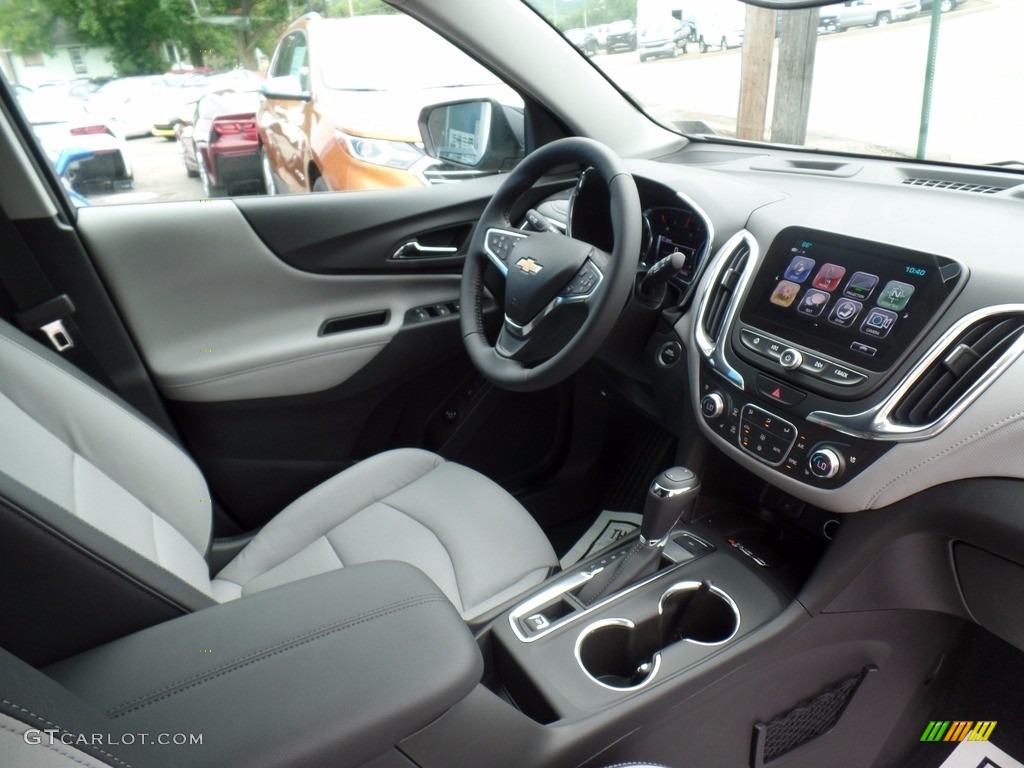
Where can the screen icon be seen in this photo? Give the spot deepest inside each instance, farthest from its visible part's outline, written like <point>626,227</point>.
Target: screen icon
<point>878,323</point>
<point>860,286</point>
<point>845,312</point>
<point>829,277</point>
<point>799,269</point>
<point>895,295</point>
<point>784,294</point>
<point>813,303</point>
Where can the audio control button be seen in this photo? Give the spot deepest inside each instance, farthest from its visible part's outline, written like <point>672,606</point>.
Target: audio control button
<point>837,374</point>
<point>774,349</point>
<point>790,359</point>
<point>814,366</point>
<point>754,341</point>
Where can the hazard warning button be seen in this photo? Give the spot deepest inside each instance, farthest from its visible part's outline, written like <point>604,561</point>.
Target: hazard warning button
<point>776,391</point>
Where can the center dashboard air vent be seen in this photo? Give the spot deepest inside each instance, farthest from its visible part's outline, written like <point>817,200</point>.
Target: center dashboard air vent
<point>961,366</point>
<point>728,276</point>
<point>722,292</point>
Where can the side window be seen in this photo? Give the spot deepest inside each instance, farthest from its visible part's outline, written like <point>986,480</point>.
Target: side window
<point>234,116</point>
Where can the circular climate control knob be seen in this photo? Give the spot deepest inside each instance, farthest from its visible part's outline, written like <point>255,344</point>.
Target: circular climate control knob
<point>712,405</point>
<point>825,463</point>
<point>791,359</point>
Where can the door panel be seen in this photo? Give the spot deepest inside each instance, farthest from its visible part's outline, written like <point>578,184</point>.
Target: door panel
<point>219,317</point>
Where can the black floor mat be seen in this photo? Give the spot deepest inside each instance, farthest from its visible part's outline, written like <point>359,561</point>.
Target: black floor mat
<point>635,453</point>
<point>985,683</point>
<point>645,455</point>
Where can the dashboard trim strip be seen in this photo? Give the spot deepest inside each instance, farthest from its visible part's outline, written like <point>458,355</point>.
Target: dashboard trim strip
<point>714,351</point>
<point>876,424</point>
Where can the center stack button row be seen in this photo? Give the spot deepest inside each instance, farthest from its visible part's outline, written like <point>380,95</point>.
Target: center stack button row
<point>806,363</point>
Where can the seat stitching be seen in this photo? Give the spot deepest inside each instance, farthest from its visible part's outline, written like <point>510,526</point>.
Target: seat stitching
<point>437,538</point>
<point>43,720</point>
<point>331,524</point>
<point>172,689</point>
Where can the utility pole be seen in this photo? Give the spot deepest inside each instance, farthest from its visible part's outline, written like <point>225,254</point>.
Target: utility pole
<point>755,73</point>
<point>797,46</point>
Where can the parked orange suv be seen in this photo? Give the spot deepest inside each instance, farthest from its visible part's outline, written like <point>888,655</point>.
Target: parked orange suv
<point>342,100</point>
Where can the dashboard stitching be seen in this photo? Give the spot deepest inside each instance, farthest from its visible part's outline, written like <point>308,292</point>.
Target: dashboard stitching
<point>1004,422</point>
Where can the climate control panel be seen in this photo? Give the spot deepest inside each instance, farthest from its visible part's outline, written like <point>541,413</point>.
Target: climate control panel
<point>808,452</point>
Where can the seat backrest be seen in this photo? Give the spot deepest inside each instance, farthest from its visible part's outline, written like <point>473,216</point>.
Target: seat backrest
<point>96,504</point>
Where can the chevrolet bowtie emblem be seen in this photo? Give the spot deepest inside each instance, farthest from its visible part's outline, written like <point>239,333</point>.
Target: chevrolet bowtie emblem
<point>529,266</point>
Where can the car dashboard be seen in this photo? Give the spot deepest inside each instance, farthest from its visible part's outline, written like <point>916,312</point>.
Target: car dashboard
<point>852,327</point>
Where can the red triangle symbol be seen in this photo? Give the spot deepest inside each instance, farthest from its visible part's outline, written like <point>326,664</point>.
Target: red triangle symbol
<point>777,393</point>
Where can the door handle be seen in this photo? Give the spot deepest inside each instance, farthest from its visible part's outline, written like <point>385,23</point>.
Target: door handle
<point>413,249</point>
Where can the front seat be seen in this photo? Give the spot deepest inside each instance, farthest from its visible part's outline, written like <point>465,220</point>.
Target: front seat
<point>105,521</point>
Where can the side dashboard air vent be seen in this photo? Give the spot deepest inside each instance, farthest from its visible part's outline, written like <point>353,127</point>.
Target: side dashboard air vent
<point>722,291</point>
<point>972,354</point>
<point>955,186</point>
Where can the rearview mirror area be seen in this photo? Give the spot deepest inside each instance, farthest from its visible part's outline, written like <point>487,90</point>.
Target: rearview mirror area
<point>481,134</point>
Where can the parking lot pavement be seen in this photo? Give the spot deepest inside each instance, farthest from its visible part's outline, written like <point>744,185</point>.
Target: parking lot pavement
<point>159,175</point>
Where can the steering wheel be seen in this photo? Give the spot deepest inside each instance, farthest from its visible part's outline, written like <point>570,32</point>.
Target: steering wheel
<point>550,280</point>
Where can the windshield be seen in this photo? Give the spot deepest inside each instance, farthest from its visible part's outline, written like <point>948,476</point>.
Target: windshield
<point>853,77</point>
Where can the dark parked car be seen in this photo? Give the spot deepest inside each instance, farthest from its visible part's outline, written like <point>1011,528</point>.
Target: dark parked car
<point>621,36</point>
<point>219,144</point>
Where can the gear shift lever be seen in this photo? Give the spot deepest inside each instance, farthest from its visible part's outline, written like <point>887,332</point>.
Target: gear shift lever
<point>673,493</point>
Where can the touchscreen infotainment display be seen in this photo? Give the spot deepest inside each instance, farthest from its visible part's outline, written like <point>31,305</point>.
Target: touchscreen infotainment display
<point>854,300</point>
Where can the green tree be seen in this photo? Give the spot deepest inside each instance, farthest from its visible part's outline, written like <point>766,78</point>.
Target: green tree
<point>27,25</point>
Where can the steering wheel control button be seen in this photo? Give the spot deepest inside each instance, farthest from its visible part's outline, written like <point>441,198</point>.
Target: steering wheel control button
<point>825,463</point>
<point>791,359</point>
<point>584,282</point>
<point>670,353</point>
<point>765,435</point>
<point>844,377</point>
<point>499,245</point>
<point>783,394</point>
<point>712,405</point>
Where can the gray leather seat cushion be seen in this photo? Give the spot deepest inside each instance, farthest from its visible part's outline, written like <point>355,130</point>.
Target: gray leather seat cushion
<point>472,538</point>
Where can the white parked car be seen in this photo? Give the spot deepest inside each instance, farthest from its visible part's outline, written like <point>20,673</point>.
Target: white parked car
<point>63,125</point>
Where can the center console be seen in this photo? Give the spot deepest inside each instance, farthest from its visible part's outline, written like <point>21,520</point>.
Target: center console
<point>800,350</point>
<point>558,658</point>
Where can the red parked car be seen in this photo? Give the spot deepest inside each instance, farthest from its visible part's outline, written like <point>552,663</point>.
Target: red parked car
<point>219,144</point>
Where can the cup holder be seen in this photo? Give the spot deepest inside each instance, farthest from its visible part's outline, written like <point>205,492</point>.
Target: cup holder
<point>623,656</point>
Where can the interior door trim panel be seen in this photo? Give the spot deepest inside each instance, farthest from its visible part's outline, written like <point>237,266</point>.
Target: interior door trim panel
<point>188,298</point>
